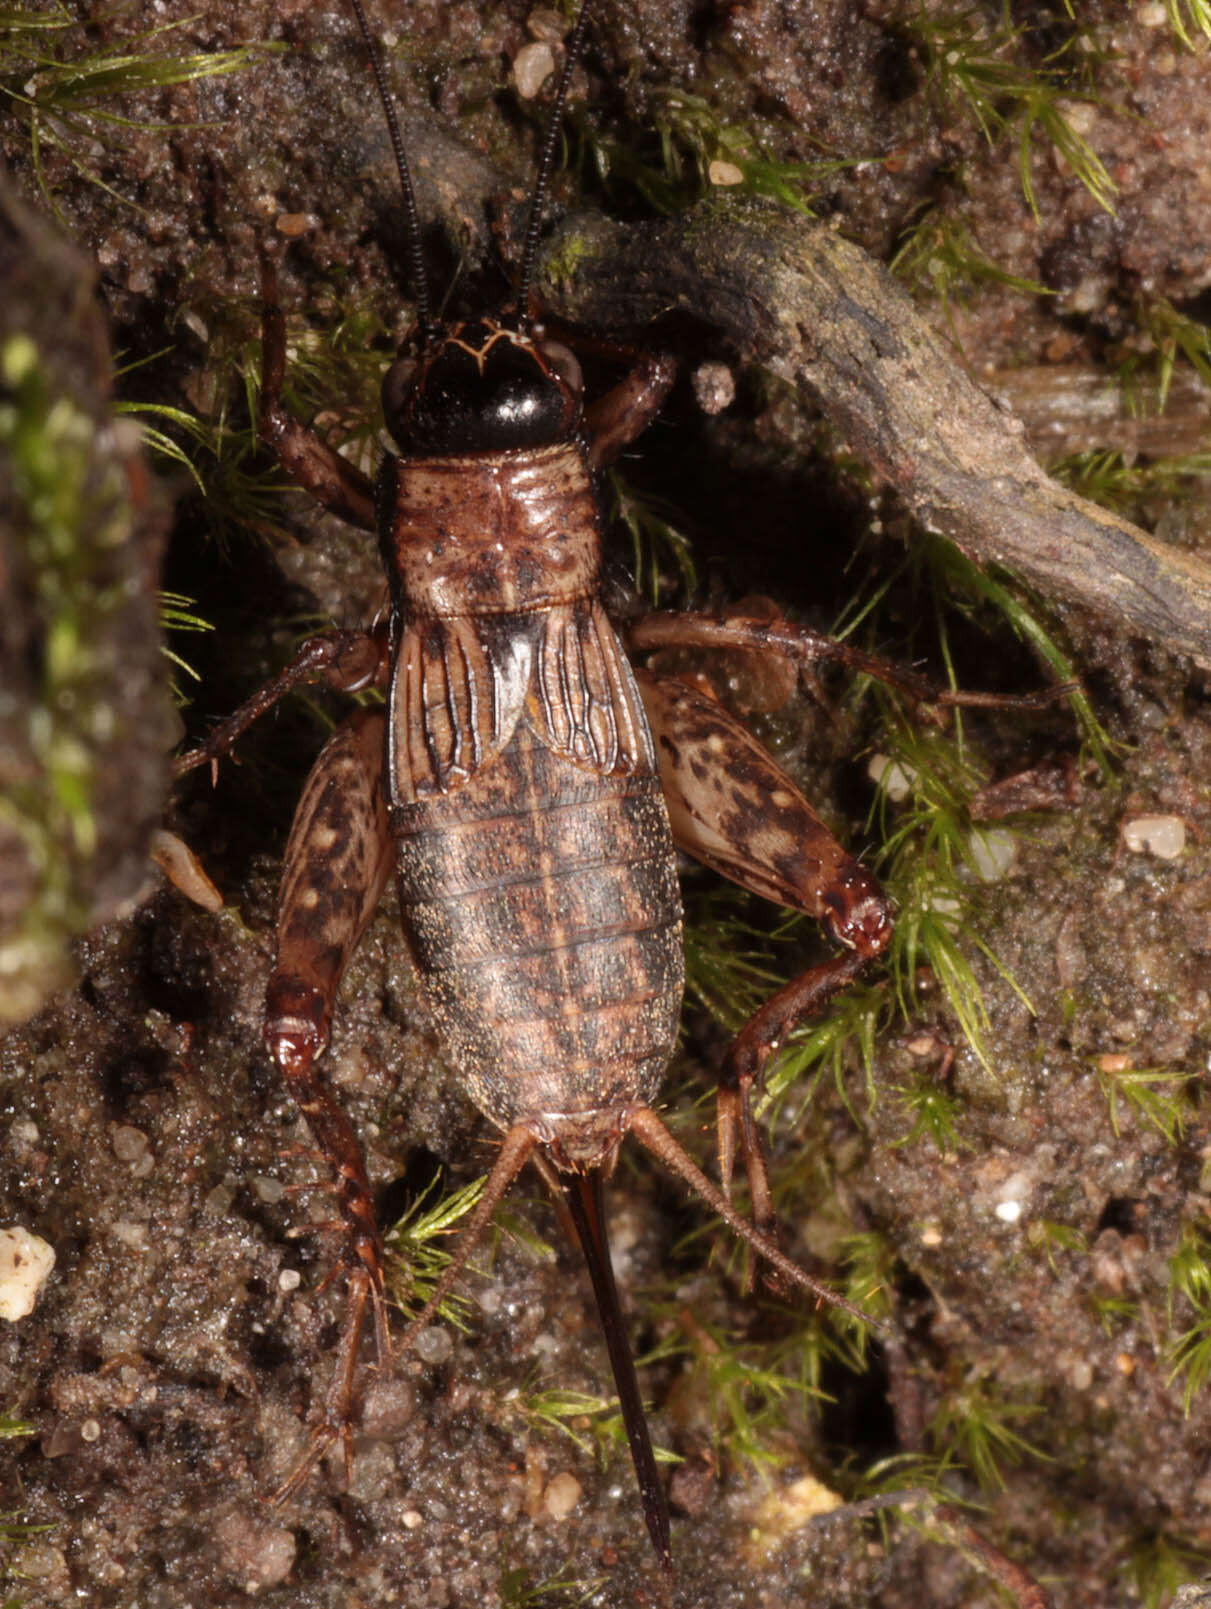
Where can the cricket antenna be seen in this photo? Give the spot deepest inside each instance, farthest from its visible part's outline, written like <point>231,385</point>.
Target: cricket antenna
<point>416,255</point>
<point>546,162</point>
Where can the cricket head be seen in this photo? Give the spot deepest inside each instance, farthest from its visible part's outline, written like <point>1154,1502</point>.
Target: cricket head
<point>482,385</point>
<point>491,384</point>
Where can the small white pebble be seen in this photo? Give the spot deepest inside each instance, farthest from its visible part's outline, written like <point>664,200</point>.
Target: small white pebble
<point>993,853</point>
<point>1153,15</point>
<point>1114,1061</point>
<point>129,1144</point>
<point>895,779</point>
<point>90,1430</point>
<point>289,1279</point>
<point>1162,836</point>
<point>1081,115</point>
<point>195,322</point>
<point>25,1264</point>
<point>184,870</point>
<point>434,1345</point>
<point>714,387</point>
<point>931,1235</point>
<point>923,1045</point>
<point>24,1134</point>
<point>724,174</point>
<point>411,1520</point>
<point>561,1496</point>
<point>532,66</point>
<point>268,1190</point>
<point>1012,1193</point>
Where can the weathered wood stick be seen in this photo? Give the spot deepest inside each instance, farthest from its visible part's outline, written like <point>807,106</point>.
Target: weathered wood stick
<point>814,309</point>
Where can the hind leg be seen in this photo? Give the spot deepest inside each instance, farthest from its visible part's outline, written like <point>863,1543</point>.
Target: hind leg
<point>337,862</point>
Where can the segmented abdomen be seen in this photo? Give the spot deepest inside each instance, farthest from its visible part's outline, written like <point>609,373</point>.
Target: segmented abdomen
<point>542,904</point>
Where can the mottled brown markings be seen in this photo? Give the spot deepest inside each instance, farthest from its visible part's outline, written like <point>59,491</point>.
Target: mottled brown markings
<point>528,529</point>
<point>726,816</point>
<point>535,953</point>
<point>514,780</point>
<point>326,900</point>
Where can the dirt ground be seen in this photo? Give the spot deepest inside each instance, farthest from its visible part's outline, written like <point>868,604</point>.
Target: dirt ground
<point>1042,1247</point>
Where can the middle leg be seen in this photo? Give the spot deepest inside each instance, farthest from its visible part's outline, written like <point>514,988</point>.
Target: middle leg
<point>733,808</point>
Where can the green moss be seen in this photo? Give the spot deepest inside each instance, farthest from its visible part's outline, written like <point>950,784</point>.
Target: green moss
<point>60,90</point>
<point>1190,1293</point>
<point>14,1533</point>
<point>975,1425</point>
<point>1056,1240</point>
<point>518,1590</point>
<point>941,255</point>
<point>1121,481</point>
<point>686,152</point>
<point>934,1111</point>
<point>594,1424</point>
<point>1189,18</point>
<point>177,615</point>
<point>746,1386</point>
<point>662,554</point>
<point>414,1260</point>
<point>71,509</point>
<point>986,76</point>
<point>1158,1563</point>
<point>1156,1097</point>
<point>562,266</point>
<point>1173,336</point>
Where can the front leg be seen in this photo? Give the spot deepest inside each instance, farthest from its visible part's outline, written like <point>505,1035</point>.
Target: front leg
<point>733,808</point>
<point>318,468</point>
<point>346,661</point>
<point>337,862</point>
<point>617,418</point>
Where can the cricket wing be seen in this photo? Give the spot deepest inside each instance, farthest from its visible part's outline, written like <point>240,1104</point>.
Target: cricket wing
<point>584,703</point>
<point>456,697</point>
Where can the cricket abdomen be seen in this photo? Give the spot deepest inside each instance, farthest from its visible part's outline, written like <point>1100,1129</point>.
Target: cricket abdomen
<point>544,914</point>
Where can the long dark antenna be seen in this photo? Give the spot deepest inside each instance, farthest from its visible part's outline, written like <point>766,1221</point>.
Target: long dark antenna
<point>416,255</point>
<point>546,161</point>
